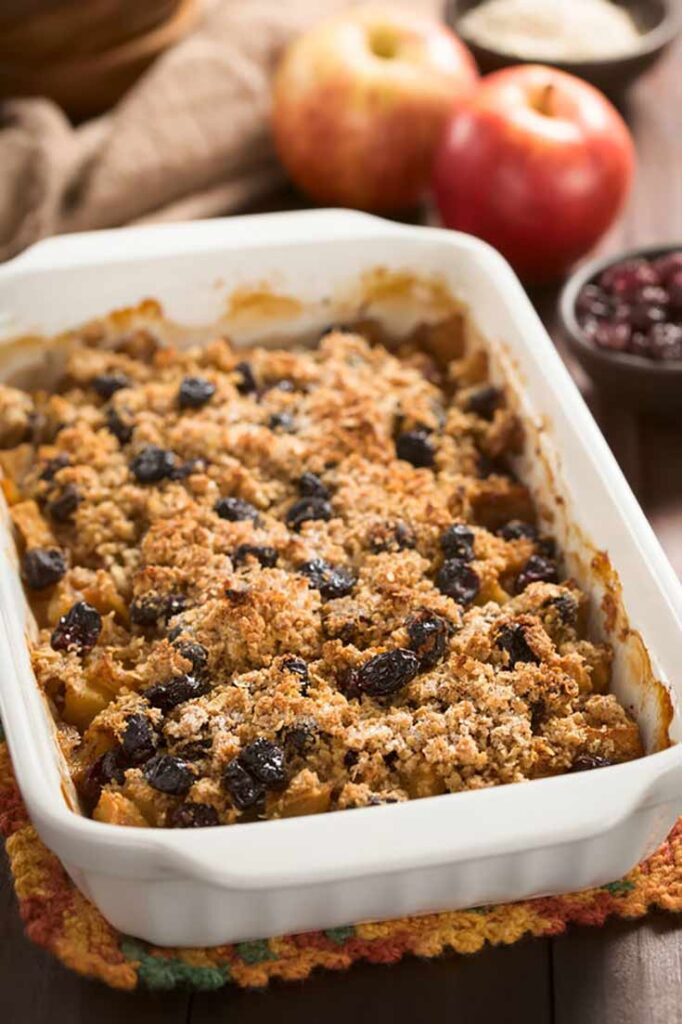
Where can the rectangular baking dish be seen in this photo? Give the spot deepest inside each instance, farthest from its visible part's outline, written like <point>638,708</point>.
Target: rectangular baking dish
<point>278,274</point>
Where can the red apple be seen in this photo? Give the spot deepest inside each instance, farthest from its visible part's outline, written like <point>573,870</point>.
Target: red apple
<point>538,163</point>
<point>361,102</point>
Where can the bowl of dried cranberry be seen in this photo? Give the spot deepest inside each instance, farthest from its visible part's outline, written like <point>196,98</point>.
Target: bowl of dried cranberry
<point>622,318</point>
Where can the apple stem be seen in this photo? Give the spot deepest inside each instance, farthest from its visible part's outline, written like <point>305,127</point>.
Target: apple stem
<point>545,101</point>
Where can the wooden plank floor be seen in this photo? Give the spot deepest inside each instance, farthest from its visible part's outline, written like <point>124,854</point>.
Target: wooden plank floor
<point>625,973</point>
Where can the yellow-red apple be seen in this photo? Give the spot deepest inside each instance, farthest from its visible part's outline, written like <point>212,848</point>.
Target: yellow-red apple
<point>360,104</point>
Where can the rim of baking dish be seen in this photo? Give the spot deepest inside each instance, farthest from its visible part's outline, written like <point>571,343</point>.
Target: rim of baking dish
<point>448,828</point>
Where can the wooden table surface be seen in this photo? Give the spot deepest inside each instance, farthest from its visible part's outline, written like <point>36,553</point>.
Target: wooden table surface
<point>625,973</point>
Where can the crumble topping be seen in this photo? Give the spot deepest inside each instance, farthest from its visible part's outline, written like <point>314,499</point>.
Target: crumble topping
<point>281,582</point>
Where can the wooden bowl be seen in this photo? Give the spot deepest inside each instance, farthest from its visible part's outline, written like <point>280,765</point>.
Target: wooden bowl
<point>85,84</point>
<point>38,32</point>
<point>658,21</point>
<point>644,384</point>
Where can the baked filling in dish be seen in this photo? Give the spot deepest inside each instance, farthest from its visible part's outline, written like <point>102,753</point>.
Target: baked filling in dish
<point>275,582</point>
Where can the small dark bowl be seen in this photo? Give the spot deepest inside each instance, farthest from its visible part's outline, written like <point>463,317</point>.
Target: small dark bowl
<point>658,21</point>
<point>638,382</point>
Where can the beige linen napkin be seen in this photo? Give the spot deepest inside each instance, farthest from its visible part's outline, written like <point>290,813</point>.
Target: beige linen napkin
<point>190,139</point>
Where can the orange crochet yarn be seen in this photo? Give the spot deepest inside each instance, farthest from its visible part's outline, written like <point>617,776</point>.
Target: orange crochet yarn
<point>57,917</point>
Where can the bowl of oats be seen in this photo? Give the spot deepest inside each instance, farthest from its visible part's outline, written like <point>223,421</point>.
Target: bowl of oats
<point>608,44</point>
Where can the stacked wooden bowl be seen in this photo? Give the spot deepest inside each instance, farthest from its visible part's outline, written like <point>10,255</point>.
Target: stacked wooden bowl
<point>84,54</point>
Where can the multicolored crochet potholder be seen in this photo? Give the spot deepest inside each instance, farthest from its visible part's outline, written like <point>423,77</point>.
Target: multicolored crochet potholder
<point>57,917</point>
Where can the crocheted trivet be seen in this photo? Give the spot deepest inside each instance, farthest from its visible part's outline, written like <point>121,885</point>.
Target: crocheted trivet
<point>57,917</point>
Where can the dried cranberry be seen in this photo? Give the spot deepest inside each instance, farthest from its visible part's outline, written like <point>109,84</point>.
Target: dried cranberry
<point>644,316</point>
<point>246,382</point>
<point>428,635</point>
<point>310,486</point>
<point>65,504</point>
<point>537,570</point>
<point>612,336</point>
<point>152,464</point>
<point>177,690</point>
<point>347,682</point>
<point>150,609</point>
<point>236,510</point>
<point>194,652</point>
<point>386,674</point>
<point>300,736</point>
<point>52,466</point>
<point>193,815</point>
<point>195,392</point>
<point>122,430</point>
<point>626,278</point>
<point>332,581</point>
<point>566,608</point>
<point>298,667</point>
<point>169,774</point>
<point>265,762</point>
<point>621,312</point>
<point>483,401</point>
<point>107,384</point>
<point>593,301</point>
<point>397,536</point>
<point>546,546</point>
<point>194,750</point>
<point>512,639</point>
<point>587,762</point>
<point>79,628</point>
<point>266,556</point>
<point>43,567</point>
<point>283,421</point>
<point>458,542</point>
<point>307,509</point>
<point>185,469</point>
<point>639,345</point>
<point>138,742</point>
<point>665,341</point>
<point>105,770</point>
<point>244,790</point>
<point>516,529</point>
<point>458,580</point>
<point>415,447</point>
<point>653,295</point>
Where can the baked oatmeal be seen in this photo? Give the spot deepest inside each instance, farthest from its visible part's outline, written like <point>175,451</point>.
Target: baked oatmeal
<point>280,582</point>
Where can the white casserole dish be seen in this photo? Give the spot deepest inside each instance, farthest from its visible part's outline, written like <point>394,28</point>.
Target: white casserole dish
<point>209,886</point>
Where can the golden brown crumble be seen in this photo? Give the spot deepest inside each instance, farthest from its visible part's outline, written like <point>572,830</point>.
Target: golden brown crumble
<point>279,582</point>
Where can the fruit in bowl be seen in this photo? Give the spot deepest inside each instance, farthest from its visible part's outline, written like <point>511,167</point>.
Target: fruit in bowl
<point>538,163</point>
<point>360,104</point>
<point>622,319</point>
<point>635,306</point>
